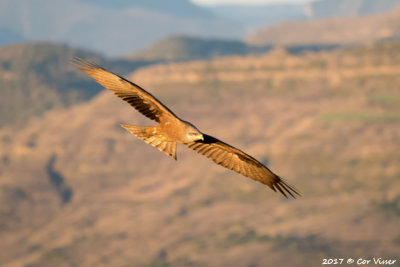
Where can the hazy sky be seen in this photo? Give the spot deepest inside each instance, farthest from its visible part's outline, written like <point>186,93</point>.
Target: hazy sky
<point>214,2</point>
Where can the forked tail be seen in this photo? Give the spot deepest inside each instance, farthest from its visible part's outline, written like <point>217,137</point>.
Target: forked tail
<point>150,135</point>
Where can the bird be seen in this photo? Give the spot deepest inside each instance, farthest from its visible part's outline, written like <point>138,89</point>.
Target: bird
<point>171,130</point>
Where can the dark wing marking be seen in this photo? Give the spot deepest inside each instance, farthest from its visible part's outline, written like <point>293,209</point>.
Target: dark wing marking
<point>136,96</point>
<point>238,161</point>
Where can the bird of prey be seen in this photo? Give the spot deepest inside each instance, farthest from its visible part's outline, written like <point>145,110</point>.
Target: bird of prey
<point>172,130</point>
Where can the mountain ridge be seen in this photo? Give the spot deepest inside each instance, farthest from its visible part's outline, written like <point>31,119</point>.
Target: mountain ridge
<point>37,77</point>
<point>327,122</point>
<point>187,48</point>
<point>344,8</point>
<point>127,29</point>
<point>334,31</point>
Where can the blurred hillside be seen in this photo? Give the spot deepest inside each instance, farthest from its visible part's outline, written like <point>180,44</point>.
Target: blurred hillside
<point>343,8</point>
<point>338,31</point>
<point>117,28</point>
<point>36,77</point>
<point>252,17</point>
<point>328,122</point>
<point>94,25</point>
<point>186,48</point>
<point>180,8</point>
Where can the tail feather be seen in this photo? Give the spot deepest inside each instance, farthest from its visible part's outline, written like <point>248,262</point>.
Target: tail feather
<point>150,136</point>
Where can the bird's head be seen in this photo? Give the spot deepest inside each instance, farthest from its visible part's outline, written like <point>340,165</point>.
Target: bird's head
<point>192,133</point>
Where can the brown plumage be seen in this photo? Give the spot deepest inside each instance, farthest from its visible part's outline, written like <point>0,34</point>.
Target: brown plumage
<point>172,130</point>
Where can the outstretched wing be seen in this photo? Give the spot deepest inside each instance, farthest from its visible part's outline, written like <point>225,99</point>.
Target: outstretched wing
<point>136,96</point>
<point>234,159</point>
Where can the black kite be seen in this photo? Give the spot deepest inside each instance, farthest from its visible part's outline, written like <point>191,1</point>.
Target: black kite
<point>172,130</point>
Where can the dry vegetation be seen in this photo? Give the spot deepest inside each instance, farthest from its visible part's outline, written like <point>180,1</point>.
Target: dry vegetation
<point>328,122</point>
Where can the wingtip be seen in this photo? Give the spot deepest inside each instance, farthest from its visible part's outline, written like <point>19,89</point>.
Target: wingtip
<point>77,61</point>
<point>83,64</point>
<point>285,189</point>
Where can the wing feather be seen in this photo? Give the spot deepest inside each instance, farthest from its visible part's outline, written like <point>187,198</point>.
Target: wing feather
<point>130,92</point>
<point>240,162</point>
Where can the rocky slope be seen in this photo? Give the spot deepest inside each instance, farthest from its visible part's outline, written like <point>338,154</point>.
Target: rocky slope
<point>37,77</point>
<point>327,122</point>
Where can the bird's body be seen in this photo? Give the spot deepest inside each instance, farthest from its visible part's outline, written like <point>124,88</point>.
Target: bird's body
<point>172,130</point>
<point>166,134</point>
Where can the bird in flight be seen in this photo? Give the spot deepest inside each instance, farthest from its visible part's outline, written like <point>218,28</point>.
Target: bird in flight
<point>172,130</point>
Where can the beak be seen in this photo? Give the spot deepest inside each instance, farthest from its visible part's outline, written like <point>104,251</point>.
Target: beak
<point>201,137</point>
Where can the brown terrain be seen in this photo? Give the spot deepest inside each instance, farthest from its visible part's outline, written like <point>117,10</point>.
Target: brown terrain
<point>78,190</point>
<point>333,31</point>
<point>34,79</point>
